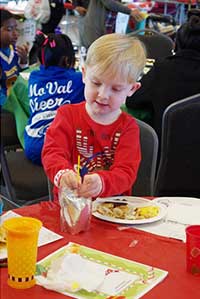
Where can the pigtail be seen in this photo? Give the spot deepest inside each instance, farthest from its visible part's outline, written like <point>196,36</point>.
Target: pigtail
<point>54,50</point>
<point>40,42</point>
<point>49,50</point>
<point>70,53</point>
<point>35,51</point>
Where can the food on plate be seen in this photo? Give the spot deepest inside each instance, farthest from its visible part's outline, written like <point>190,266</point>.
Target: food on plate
<point>126,211</point>
<point>148,212</point>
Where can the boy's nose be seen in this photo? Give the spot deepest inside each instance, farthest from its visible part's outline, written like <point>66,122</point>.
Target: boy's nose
<point>103,92</point>
<point>15,32</point>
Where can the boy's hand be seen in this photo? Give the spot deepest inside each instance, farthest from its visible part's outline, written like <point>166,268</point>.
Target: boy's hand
<point>91,186</point>
<point>22,52</point>
<point>70,180</point>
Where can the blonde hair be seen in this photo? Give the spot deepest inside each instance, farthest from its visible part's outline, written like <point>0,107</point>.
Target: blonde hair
<point>117,55</point>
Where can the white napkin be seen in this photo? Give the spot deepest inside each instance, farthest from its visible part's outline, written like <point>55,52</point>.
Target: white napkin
<point>183,213</point>
<point>72,272</point>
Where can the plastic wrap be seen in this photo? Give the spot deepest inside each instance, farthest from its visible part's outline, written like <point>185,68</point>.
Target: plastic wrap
<point>75,212</point>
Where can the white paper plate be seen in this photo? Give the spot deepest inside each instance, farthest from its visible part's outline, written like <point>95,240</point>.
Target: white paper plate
<point>133,201</point>
<point>182,210</point>
<point>187,201</point>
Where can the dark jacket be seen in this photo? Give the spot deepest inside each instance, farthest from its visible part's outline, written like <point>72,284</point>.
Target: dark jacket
<point>83,3</point>
<point>57,12</point>
<point>172,79</point>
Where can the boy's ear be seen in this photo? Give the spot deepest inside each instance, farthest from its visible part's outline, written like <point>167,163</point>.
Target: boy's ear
<point>135,87</point>
<point>83,74</point>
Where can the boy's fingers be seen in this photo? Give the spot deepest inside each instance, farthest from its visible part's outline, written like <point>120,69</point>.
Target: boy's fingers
<point>69,179</point>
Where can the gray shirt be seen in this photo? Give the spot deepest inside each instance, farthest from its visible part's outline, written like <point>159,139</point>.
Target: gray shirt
<point>92,26</point>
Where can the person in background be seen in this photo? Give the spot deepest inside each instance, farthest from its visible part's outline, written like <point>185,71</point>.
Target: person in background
<point>56,83</point>
<point>3,95</point>
<point>57,12</point>
<point>104,13</point>
<point>97,130</point>
<point>81,6</point>
<point>172,78</point>
<point>193,12</point>
<point>13,58</point>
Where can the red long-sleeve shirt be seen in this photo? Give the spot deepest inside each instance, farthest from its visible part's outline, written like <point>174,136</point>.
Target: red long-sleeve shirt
<point>114,148</point>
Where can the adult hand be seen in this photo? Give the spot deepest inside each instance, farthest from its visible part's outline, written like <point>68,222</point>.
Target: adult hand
<point>91,186</point>
<point>137,15</point>
<point>81,10</point>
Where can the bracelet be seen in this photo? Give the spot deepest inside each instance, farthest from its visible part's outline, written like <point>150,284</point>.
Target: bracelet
<point>58,176</point>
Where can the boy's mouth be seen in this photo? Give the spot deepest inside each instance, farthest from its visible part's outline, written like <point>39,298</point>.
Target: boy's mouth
<point>14,41</point>
<point>101,104</point>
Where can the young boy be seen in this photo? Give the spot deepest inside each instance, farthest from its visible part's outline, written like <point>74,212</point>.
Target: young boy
<point>105,138</point>
<point>12,59</point>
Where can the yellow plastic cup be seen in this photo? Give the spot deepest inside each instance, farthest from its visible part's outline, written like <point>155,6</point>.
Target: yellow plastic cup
<point>22,241</point>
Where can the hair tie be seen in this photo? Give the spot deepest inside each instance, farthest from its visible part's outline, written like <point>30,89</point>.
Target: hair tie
<point>45,42</point>
<point>52,43</point>
<point>42,50</point>
<point>39,32</point>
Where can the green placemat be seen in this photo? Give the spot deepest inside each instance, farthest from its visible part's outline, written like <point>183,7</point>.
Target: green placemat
<point>133,279</point>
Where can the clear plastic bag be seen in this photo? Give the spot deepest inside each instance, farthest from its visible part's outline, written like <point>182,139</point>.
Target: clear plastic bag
<point>75,212</point>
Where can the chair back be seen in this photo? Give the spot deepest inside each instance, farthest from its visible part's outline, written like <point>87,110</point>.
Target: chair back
<point>9,136</point>
<point>149,149</point>
<point>22,182</point>
<point>179,167</point>
<point>158,45</point>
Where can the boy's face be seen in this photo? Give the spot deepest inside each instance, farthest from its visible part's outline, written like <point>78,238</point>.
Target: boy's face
<point>105,95</point>
<point>9,33</point>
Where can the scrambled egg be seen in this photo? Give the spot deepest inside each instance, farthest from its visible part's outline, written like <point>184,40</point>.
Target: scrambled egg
<point>148,212</point>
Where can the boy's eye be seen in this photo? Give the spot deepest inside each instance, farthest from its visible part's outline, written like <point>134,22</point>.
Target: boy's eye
<point>11,28</point>
<point>117,89</point>
<point>96,83</point>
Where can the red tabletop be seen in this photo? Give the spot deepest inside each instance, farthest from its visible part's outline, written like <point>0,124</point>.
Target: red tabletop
<point>164,253</point>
